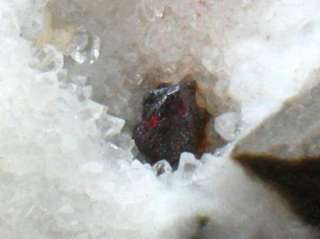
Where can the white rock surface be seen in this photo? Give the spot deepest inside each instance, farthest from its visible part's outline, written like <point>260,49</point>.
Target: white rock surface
<point>64,176</point>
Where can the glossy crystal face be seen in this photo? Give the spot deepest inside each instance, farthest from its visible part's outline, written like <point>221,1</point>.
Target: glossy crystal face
<point>171,123</point>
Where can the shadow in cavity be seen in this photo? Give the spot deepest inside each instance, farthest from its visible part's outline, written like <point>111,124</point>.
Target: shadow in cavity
<point>297,180</point>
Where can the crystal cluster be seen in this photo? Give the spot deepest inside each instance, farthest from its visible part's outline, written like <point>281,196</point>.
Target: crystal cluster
<point>67,160</point>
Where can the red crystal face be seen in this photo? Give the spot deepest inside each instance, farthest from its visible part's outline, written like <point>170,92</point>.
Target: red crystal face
<point>152,122</point>
<point>172,123</point>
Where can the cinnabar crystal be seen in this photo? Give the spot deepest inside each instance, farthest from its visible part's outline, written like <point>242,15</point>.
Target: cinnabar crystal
<point>172,123</point>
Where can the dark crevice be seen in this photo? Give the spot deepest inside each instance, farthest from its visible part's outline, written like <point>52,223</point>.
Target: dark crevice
<point>297,180</point>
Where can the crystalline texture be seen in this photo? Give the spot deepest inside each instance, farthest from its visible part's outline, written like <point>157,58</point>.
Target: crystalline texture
<point>162,167</point>
<point>110,125</point>
<point>57,171</point>
<point>227,125</point>
<point>84,47</point>
<point>47,59</point>
<point>172,123</point>
<point>188,165</point>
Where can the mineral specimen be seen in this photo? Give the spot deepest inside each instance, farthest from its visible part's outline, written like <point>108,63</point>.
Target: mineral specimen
<point>66,163</point>
<point>172,123</point>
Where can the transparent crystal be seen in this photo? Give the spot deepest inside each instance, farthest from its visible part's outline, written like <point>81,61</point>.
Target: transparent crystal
<point>124,141</point>
<point>110,125</point>
<point>116,154</point>
<point>188,164</point>
<point>227,125</point>
<point>92,110</point>
<point>79,44</point>
<point>85,47</point>
<point>47,59</point>
<point>81,39</point>
<point>162,167</point>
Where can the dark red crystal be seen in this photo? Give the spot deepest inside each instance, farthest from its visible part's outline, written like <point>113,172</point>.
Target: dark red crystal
<point>172,123</point>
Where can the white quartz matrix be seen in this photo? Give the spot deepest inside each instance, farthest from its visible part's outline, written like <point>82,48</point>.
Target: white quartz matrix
<point>67,166</point>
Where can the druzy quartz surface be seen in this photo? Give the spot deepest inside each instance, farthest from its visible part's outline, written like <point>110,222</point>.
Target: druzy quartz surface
<point>67,159</point>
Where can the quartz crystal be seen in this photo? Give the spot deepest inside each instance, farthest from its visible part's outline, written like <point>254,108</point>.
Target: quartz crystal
<point>110,125</point>
<point>84,47</point>
<point>47,59</point>
<point>227,125</point>
<point>188,165</point>
<point>68,165</point>
<point>162,167</point>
